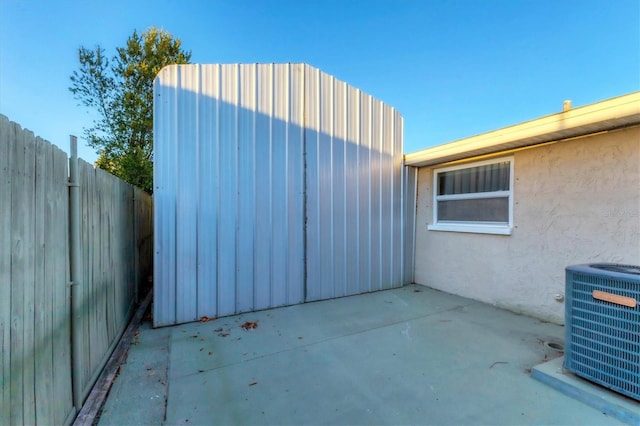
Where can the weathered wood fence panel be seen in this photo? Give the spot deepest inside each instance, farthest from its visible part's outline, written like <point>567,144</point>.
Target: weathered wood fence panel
<point>109,280</point>
<point>35,311</point>
<point>143,205</point>
<point>34,299</point>
<point>5,271</point>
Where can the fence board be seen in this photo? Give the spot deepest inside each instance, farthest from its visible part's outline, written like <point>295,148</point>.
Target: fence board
<point>5,269</point>
<point>18,267</point>
<point>128,246</point>
<point>87,208</point>
<point>57,269</point>
<point>98,288</point>
<point>28,251</point>
<point>106,228</point>
<point>42,296</point>
<point>119,287</point>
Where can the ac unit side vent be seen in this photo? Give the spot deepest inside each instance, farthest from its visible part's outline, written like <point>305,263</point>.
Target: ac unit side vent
<point>602,337</point>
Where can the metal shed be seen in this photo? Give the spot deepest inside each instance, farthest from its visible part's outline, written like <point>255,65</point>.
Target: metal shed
<point>274,184</point>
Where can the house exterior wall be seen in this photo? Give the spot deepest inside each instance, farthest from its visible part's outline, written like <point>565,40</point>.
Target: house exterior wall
<point>575,201</point>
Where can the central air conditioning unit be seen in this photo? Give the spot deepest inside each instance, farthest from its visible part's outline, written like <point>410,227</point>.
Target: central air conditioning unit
<point>602,325</point>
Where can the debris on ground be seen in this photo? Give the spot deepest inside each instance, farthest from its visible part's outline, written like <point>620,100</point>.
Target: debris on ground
<point>250,325</point>
<point>148,316</point>
<point>253,383</point>
<point>205,319</point>
<point>223,334</point>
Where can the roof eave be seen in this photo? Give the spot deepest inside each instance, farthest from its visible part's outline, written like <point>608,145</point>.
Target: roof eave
<point>615,113</point>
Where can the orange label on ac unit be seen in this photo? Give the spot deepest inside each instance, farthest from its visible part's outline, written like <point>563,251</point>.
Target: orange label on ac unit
<point>615,298</point>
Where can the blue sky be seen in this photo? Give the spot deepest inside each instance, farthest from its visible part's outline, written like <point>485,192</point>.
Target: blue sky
<point>452,68</point>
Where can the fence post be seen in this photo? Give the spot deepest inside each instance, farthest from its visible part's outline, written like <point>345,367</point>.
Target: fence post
<point>136,248</point>
<point>75,275</point>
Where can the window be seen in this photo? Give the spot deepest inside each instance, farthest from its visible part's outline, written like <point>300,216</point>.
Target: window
<point>476,197</point>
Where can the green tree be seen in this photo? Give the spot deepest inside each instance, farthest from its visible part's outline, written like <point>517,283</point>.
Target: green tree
<point>120,90</point>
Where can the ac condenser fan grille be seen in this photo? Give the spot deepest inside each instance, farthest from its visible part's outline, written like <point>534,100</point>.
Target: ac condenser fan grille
<point>602,323</point>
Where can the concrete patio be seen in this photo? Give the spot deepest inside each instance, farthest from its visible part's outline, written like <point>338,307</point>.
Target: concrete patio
<point>405,356</point>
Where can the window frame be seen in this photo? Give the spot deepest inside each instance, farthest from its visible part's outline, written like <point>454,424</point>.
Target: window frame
<point>476,227</point>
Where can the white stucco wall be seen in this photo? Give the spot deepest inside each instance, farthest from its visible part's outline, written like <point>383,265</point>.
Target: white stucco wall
<point>574,202</point>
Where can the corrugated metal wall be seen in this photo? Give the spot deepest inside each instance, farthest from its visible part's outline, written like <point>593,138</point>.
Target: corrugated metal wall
<point>274,184</point>
<point>354,190</point>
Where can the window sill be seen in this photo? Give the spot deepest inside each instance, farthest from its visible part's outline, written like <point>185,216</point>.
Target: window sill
<point>470,228</point>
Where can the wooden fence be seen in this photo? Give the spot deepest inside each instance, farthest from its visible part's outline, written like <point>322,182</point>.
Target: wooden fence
<point>35,311</point>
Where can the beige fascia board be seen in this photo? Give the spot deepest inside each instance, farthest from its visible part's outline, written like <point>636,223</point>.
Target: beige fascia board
<point>610,114</point>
